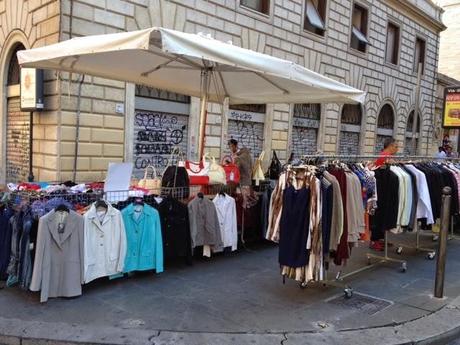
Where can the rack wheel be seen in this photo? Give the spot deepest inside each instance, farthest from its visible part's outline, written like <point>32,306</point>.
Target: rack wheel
<point>348,292</point>
<point>403,267</point>
<point>303,285</point>
<point>399,250</point>
<point>431,256</point>
<point>368,261</point>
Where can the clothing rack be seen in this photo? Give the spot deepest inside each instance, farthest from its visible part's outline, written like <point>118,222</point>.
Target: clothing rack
<point>337,280</point>
<point>369,157</point>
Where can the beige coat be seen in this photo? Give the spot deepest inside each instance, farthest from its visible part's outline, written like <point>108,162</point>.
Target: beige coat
<point>58,267</point>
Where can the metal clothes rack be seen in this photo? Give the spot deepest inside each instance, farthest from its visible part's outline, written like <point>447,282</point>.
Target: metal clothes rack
<point>338,280</point>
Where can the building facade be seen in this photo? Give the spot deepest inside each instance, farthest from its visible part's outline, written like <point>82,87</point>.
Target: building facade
<point>374,46</point>
<point>449,50</point>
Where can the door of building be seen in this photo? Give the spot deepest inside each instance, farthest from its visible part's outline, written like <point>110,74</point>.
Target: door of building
<point>161,123</point>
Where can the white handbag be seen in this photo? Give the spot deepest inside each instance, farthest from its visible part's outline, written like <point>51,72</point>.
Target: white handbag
<point>153,184</point>
<point>198,172</point>
<point>216,173</point>
<point>257,172</point>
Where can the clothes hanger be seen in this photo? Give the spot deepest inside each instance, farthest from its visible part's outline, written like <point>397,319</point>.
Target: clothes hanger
<point>101,203</point>
<point>138,201</point>
<point>62,208</point>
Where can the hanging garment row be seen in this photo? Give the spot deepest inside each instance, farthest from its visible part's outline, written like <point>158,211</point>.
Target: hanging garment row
<point>318,213</point>
<point>48,247</point>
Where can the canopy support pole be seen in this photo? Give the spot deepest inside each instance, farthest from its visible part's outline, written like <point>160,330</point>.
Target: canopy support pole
<point>417,101</point>
<point>77,127</point>
<point>203,111</point>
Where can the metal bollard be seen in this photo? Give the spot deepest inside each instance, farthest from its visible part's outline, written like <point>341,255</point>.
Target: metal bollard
<point>442,245</point>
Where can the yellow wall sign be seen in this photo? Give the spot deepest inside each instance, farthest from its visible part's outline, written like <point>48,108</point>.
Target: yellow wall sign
<point>451,114</point>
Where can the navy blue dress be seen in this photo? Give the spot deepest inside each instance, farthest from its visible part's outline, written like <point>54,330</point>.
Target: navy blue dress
<point>294,225</point>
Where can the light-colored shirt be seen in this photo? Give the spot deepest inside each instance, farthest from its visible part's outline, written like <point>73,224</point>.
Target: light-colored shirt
<point>424,209</point>
<point>441,155</point>
<point>226,213</point>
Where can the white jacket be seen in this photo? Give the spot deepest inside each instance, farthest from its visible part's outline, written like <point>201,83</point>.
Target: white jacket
<point>226,212</point>
<point>104,244</point>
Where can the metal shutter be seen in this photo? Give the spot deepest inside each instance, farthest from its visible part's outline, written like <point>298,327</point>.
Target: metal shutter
<point>408,150</point>
<point>248,134</point>
<point>304,141</point>
<point>17,142</point>
<point>379,142</point>
<point>349,143</point>
<point>155,135</point>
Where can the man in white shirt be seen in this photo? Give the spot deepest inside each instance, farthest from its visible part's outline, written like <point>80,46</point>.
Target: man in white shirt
<point>441,154</point>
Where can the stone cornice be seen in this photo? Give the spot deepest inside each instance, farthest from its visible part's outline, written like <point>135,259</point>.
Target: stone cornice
<point>410,8</point>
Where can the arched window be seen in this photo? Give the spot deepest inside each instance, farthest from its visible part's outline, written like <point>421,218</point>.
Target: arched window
<point>17,127</point>
<point>13,68</point>
<point>408,149</point>
<point>385,125</point>
<point>350,129</point>
<point>305,128</point>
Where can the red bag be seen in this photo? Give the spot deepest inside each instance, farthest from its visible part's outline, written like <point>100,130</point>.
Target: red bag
<point>198,173</point>
<point>232,173</point>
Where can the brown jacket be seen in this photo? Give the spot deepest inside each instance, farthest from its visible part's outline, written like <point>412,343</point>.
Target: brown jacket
<point>244,162</point>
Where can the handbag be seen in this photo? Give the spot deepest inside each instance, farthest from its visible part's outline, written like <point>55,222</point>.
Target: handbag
<point>274,170</point>
<point>216,173</point>
<point>175,178</point>
<point>232,173</point>
<point>198,172</point>
<point>257,172</point>
<point>153,184</point>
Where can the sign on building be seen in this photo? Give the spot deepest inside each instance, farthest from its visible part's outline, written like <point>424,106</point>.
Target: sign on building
<point>31,85</point>
<point>451,113</point>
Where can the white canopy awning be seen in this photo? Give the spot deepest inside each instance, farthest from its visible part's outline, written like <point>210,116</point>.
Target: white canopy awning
<point>174,61</point>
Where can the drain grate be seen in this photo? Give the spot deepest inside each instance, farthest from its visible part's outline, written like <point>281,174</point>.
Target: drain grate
<point>366,304</point>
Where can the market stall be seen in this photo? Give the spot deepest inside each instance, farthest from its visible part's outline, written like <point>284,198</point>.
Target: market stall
<point>197,199</point>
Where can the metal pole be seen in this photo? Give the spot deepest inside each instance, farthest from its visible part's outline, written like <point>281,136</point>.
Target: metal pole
<point>31,147</point>
<point>442,245</point>
<point>417,101</point>
<point>77,128</point>
<point>203,112</point>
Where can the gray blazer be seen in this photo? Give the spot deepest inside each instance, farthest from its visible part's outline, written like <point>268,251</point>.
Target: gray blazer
<point>204,224</point>
<point>58,267</point>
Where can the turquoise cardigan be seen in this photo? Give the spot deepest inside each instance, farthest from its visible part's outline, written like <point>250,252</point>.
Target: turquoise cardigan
<point>145,244</point>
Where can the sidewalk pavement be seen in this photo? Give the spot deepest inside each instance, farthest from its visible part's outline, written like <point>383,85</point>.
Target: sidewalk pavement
<point>240,299</point>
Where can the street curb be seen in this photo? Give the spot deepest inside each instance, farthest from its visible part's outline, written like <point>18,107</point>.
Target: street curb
<point>437,328</point>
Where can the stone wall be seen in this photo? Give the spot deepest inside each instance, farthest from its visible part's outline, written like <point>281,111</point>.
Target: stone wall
<point>281,35</point>
<point>33,23</point>
<point>104,133</point>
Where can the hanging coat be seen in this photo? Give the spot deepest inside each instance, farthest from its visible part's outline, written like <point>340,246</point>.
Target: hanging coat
<point>58,266</point>
<point>145,244</point>
<point>105,244</point>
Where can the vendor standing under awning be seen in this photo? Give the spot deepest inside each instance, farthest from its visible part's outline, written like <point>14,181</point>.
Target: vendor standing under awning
<point>243,159</point>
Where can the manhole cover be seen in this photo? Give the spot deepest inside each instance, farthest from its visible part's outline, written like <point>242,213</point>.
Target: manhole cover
<point>364,303</point>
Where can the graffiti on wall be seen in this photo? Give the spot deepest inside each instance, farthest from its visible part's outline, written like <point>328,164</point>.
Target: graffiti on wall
<point>248,134</point>
<point>156,134</point>
<point>17,143</point>
<point>304,140</point>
